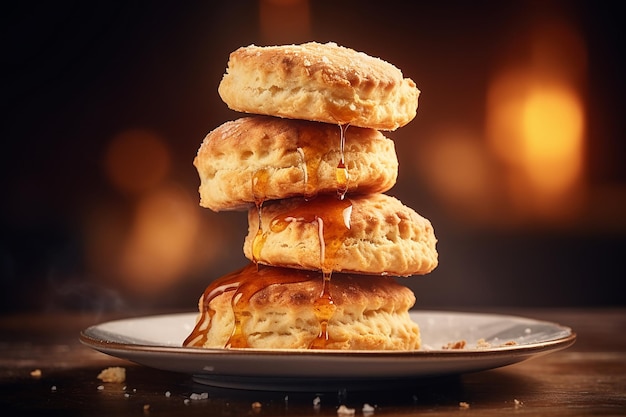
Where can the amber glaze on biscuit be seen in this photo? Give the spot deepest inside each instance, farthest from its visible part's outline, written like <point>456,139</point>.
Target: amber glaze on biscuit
<point>259,158</point>
<point>368,234</point>
<point>279,308</point>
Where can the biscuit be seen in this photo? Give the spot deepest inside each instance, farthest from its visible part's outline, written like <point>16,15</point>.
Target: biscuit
<point>278,308</point>
<point>259,158</point>
<point>368,234</point>
<point>320,82</point>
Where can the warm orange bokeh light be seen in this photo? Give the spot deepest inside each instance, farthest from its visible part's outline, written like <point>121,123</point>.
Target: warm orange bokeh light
<point>136,160</point>
<point>552,123</point>
<point>160,245</point>
<point>459,172</point>
<point>537,129</point>
<point>536,123</point>
<point>157,238</point>
<point>150,249</point>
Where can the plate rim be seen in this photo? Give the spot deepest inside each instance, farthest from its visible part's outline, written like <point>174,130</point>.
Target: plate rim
<point>87,338</point>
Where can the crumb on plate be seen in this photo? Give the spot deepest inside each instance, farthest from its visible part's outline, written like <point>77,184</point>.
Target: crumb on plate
<point>459,344</point>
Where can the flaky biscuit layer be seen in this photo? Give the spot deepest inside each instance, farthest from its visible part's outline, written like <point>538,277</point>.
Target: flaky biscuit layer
<point>259,158</point>
<point>370,234</point>
<point>320,82</point>
<point>371,313</point>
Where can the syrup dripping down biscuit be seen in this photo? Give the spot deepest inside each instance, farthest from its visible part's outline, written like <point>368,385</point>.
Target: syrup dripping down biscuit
<point>259,158</point>
<point>265,307</point>
<point>321,82</point>
<point>365,234</point>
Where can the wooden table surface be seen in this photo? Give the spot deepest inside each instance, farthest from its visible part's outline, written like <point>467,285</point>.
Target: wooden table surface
<point>588,378</point>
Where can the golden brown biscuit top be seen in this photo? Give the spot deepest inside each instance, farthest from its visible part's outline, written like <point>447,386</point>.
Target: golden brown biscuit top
<point>335,65</point>
<point>320,82</point>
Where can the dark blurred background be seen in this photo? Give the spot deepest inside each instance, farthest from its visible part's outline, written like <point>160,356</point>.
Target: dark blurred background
<point>517,154</point>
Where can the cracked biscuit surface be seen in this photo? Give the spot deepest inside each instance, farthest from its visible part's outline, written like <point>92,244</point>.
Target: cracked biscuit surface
<point>259,158</point>
<point>365,234</point>
<point>321,82</point>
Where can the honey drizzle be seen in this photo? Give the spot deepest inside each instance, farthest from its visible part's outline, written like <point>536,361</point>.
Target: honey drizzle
<point>341,173</point>
<point>260,181</point>
<point>332,217</point>
<point>324,308</point>
<point>311,154</point>
<point>259,238</point>
<point>245,283</point>
<point>333,221</point>
<point>229,282</point>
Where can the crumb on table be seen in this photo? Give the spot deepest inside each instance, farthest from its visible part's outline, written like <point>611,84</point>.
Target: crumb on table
<point>113,374</point>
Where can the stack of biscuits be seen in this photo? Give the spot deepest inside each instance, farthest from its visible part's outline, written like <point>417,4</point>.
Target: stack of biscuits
<point>311,166</point>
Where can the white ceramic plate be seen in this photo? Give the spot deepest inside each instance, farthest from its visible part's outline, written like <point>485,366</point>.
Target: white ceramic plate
<point>155,341</point>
